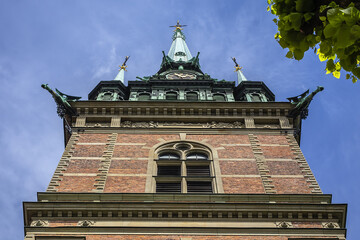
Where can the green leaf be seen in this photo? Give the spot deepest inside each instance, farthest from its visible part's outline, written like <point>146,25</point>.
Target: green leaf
<point>351,15</point>
<point>355,31</point>
<point>321,56</point>
<point>330,31</point>
<point>268,8</point>
<point>330,66</point>
<point>323,7</point>
<point>334,17</point>
<point>336,74</point>
<point>275,20</point>
<point>295,19</point>
<point>356,72</point>
<point>304,5</point>
<point>322,18</point>
<point>344,38</point>
<point>348,76</point>
<point>298,54</point>
<point>325,47</point>
<point>289,54</point>
<point>354,80</point>
<point>269,1</point>
<point>308,16</point>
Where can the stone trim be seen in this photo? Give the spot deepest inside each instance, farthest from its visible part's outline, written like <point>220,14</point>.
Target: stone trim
<point>304,166</point>
<point>105,211</point>
<point>63,163</point>
<point>244,198</point>
<point>200,231</point>
<point>105,164</point>
<point>261,164</point>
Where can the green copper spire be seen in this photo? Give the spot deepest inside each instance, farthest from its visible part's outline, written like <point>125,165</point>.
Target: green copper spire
<point>121,75</point>
<point>179,51</point>
<point>240,76</point>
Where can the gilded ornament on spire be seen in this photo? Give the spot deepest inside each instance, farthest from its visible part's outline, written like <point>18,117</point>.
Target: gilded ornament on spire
<point>123,66</point>
<point>178,26</point>
<point>237,67</point>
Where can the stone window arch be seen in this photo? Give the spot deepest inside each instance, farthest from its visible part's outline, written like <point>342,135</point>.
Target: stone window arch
<point>183,167</point>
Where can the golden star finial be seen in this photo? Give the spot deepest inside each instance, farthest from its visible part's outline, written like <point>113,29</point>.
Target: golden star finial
<point>237,68</point>
<point>178,26</point>
<point>123,66</point>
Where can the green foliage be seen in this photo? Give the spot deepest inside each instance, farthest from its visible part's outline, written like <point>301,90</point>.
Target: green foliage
<point>330,28</point>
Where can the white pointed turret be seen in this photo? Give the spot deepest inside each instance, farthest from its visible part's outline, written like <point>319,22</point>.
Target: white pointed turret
<point>179,51</point>
<point>240,76</point>
<point>121,75</point>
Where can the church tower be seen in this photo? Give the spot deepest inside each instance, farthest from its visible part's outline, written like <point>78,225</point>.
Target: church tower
<point>179,155</point>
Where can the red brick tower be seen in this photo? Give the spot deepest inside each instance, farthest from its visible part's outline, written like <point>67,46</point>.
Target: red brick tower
<point>182,156</point>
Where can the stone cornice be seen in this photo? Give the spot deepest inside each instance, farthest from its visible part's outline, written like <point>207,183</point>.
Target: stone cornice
<point>204,211</point>
<point>310,232</point>
<point>155,197</point>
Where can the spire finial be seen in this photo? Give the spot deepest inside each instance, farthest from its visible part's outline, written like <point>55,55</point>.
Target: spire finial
<point>178,26</point>
<point>123,66</point>
<point>240,76</point>
<point>237,67</point>
<point>121,75</point>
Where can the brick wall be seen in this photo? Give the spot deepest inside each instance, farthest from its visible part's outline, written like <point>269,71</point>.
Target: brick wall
<point>127,167</point>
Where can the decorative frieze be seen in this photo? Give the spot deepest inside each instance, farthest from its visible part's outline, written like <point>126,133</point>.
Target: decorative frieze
<point>39,223</point>
<point>283,225</point>
<point>85,223</point>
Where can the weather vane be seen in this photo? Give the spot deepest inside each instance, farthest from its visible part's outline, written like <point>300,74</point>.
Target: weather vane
<point>178,26</point>
<point>237,67</point>
<point>123,66</point>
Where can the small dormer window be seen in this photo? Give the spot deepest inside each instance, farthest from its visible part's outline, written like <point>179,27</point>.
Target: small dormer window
<point>219,97</point>
<point>107,96</point>
<point>191,96</point>
<point>144,97</point>
<point>255,97</point>
<point>171,96</point>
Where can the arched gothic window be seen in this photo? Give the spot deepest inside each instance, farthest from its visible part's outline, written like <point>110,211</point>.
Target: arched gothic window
<point>184,167</point>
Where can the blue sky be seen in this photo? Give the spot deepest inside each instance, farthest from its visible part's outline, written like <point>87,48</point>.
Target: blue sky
<point>72,45</point>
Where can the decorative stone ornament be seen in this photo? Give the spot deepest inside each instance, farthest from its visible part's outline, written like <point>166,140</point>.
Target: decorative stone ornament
<point>283,224</point>
<point>330,225</point>
<point>86,223</point>
<point>39,223</point>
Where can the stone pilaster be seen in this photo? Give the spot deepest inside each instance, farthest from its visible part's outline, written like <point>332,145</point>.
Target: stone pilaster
<point>304,166</point>
<point>262,167</point>
<point>63,163</point>
<point>105,163</point>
